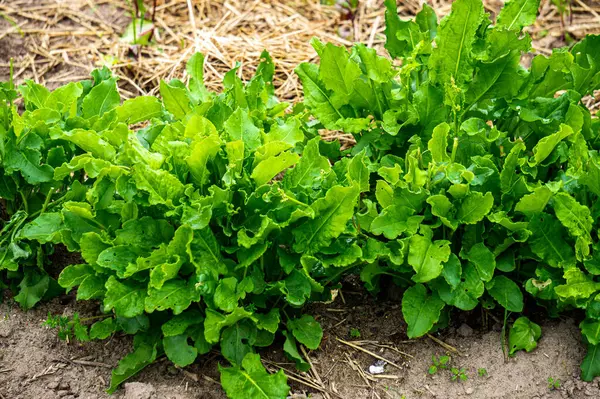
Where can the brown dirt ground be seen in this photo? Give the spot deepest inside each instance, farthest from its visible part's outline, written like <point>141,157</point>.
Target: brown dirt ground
<point>34,363</point>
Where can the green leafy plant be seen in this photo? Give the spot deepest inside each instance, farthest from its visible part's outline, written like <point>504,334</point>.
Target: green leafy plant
<point>438,363</point>
<point>486,178</point>
<point>208,220</point>
<point>481,372</point>
<point>72,328</point>
<point>459,374</point>
<point>553,383</point>
<point>29,152</point>
<point>189,235</point>
<point>355,333</point>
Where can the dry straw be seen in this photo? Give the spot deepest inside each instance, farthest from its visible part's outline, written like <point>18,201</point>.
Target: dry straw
<point>55,41</point>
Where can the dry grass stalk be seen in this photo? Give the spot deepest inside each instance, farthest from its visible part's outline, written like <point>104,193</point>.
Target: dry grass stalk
<point>65,40</point>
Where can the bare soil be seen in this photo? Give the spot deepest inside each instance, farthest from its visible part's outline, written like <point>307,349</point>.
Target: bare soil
<point>34,363</point>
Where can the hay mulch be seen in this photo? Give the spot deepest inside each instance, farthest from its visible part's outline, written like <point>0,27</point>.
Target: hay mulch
<point>56,41</point>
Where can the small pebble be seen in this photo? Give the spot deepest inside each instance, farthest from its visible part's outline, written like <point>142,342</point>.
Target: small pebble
<point>469,391</point>
<point>464,330</point>
<point>63,393</point>
<point>53,385</point>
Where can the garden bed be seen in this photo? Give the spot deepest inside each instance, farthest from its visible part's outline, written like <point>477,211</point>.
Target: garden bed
<point>211,242</point>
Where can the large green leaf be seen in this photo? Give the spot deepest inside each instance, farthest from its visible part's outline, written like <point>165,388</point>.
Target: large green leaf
<point>453,58</point>
<point>331,215</point>
<point>518,13</point>
<point>523,335</point>
<point>250,380</point>
<point>506,292</point>
<point>426,257</point>
<point>421,310</point>
<point>307,331</point>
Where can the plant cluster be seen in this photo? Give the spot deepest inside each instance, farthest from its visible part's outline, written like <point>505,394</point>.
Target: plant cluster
<point>209,219</point>
<point>486,174</point>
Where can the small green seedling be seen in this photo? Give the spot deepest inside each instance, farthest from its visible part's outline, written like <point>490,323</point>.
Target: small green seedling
<point>553,383</point>
<point>355,333</point>
<point>459,374</point>
<point>440,363</point>
<point>482,372</point>
<point>68,328</point>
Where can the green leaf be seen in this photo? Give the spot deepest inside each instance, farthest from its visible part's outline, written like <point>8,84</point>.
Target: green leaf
<point>395,220</point>
<point>439,143</point>
<point>310,168</point>
<point>139,109</point>
<point>591,178</point>
<point>421,310</point>
<point>64,98</point>
<point>506,292</point>
<point>517,14</point>
<point>252,381</point>
<point>101,99</point>
<point>32,289</point>
<point>547,241</point>
<point>174,294</point>
<point>272,166</point>
<point>338,72</point>
<point>27,161</point>
<point>215,322</point>
<point>483,259</point>
<point>126,298</point>
<point>225,295</point>
<point>195,69</point>
<point>181,322</point>
<point>546,145</point>
<point>88,141</point>
<point>523,335</point>
<point>175,99</point>
<point>179,351</point>
<point>591,331</point>
<point>44,228</point>
<point>534,203</point>
<point>474,207</point>
<point>452,271</point>
<point>444,209</point>
<point>316,95</point>
<point>331,215</point>
<point>401,36</point>
<point>590,367</point>
<point>34,94</point>
<point>579,285</point>
<point>358,173</point>
<point>287,132</point>
<point>290,348</point>
<point>453,57</point>
<point>297,288</point>
<point>144,353</point>
<point>84,276</point>
<point>239,126</point>
<point>426,257</point>
<point>307,331</point>
<point>465,296</point>
<point>203,152</point>
<point>162,187</point>
<point>574,216</point>
<point>237,341</point>
<point>103,329</point>
<point>206,253</point>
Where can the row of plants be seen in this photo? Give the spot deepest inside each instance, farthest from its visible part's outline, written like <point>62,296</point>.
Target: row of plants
<point>210,219</point>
